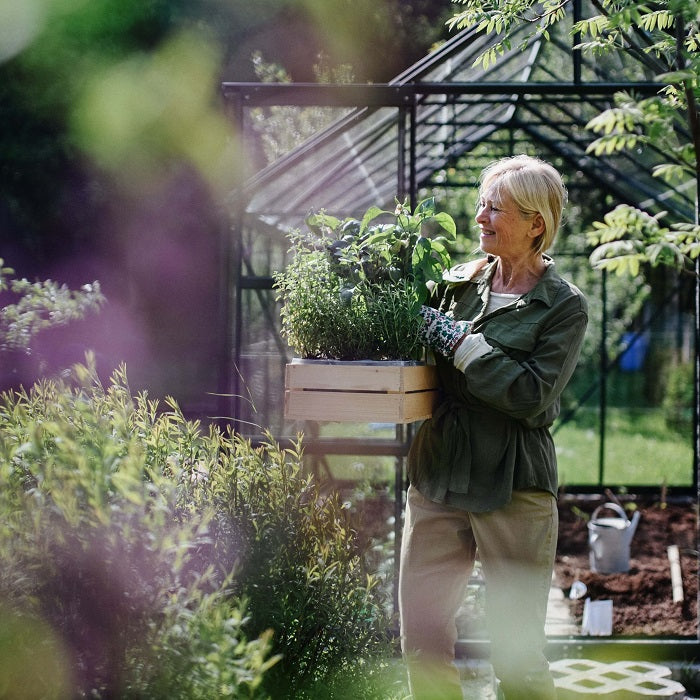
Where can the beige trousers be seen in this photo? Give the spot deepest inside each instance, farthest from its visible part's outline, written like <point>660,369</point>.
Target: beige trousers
<point>516,546</point>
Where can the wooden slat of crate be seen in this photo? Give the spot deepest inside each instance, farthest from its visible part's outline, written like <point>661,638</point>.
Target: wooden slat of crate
<point>355,392</point>
<point>358,377</point>
<point>357,406</point>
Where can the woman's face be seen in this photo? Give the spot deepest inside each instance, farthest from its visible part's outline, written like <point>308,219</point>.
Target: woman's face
<point>505,232</point>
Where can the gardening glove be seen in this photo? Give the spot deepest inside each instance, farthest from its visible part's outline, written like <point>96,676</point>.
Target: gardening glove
<point>440,332</point>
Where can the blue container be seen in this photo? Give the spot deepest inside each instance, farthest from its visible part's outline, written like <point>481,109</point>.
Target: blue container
<point>636,347</point>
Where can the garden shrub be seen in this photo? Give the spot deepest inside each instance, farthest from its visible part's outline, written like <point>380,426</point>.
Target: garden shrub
<point>300,570</point>
<point>97,547</point>
<point>158,558</point>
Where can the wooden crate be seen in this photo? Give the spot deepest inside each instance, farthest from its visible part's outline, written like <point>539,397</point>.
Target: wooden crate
<point>358,392</point>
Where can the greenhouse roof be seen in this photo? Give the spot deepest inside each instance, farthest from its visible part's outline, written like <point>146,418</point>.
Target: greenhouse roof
<point>410,133</point>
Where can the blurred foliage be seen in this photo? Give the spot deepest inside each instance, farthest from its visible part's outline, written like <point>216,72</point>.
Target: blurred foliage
<point>40,305</point>
<point>43,174</point>
<point>95,95</point>
<point>144,555</point>
<point>101,557</point>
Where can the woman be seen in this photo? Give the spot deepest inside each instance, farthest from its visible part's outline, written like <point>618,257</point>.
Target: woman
<point>506,332</point>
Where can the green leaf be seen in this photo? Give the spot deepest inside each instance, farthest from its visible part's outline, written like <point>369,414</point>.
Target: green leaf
<point>371,214</point>
<point>447,223</point>
<point>687,237</point>
<point>380,235</point>
<point>677,76</point>
<point>421,251</point>
<point>662,19</point>
<point>665,253</point>
<point>426,207</point>
<point>614,143</point>
<point>594,26</point>
<point>619,264</point>
<point>321,222</point>
<point>669,172</point>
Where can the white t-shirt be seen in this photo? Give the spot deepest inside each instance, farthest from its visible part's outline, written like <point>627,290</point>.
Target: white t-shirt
<point>497,300</point>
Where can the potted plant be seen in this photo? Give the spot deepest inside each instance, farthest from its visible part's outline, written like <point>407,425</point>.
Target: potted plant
<point>351,294</point>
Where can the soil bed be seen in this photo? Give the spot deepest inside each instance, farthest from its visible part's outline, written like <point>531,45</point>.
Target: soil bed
<point>642,597</point>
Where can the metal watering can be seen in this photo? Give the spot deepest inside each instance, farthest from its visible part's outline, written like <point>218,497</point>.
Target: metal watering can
<point>609,540</point>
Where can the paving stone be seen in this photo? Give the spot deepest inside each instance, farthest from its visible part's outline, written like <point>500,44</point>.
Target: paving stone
<point>560,621</point>
<point>478,681</point>
<point>623,680</point>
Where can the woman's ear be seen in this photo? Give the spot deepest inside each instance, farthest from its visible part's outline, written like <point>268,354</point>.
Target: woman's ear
<point>537,226</point>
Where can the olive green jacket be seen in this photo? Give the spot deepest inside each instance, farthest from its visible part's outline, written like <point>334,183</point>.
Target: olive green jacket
<point>489,434</point>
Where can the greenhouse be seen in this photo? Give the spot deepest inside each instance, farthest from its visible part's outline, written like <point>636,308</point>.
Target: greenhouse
<point>497,461</point>
<point>429,133</point>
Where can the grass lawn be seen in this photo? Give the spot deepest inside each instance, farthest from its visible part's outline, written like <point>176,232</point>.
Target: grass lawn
<point>639,451</point>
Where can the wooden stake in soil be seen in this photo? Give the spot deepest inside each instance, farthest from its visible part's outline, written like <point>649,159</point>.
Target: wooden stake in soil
<point>612,497</point>
<point>676,576</point>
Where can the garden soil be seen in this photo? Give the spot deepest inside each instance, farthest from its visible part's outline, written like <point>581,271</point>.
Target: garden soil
<point>642,597</point>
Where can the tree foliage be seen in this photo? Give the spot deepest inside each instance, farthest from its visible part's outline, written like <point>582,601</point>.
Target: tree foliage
<point>282,127</point>
<point>665,36</point>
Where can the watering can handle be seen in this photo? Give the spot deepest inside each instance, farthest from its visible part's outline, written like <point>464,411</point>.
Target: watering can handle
<point>611,506</point>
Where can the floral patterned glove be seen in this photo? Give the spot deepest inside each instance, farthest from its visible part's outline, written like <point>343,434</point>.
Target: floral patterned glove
<point>440,332</point>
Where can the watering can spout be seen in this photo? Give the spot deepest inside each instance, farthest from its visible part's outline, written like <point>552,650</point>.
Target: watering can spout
<point>633,525</point>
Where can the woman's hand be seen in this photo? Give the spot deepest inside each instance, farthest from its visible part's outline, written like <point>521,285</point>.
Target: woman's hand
<point>440,332</point>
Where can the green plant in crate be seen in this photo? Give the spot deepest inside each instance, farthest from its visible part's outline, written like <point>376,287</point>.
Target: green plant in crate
<point>353,288</point>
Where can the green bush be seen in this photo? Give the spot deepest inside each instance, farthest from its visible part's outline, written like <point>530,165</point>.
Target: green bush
<point>151,557</point>
<point>679,400</point>
<point>299,568</point>
<point>98,548</point>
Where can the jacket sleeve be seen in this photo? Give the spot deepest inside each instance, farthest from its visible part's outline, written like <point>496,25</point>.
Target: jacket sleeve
<point>529,366</point>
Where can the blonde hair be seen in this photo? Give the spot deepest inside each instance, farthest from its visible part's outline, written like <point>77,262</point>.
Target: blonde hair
<point>535,187</point>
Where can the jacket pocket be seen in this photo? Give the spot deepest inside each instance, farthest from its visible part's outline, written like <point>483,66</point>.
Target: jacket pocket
<point>462,311</point>
<point>511,333</point>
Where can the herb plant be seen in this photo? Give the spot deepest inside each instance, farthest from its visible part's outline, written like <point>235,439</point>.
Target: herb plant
<point>353,288</point>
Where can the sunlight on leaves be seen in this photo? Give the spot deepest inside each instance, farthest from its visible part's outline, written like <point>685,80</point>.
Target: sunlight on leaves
<point>135,116</point>
<point>20,22</point>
